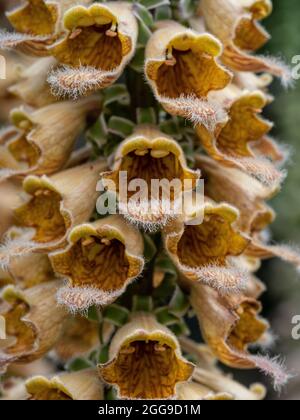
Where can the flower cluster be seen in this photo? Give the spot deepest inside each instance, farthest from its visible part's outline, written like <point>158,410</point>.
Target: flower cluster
<point>96,306</point>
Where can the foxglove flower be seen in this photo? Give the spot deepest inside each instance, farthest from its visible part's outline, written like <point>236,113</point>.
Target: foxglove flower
<point>27,271</point>
<point>182,68</point>
<point>31,323</point>
<point>82,385</point>
<point>80,338</point>
<point>40,141</point>
<point>53,206</point>
<point>149,155</point>
<point>38,24</point>
<point>100,261</point>
<point>229,325</point>
<point>217,386</point>
<point>237,25</point>
<point>99,43</point>
<point>250,197</point>
<point>31,86</point>
<point>11,191</point>
<point>205,251</point>
<point>242,141</point>
<point>145,360</point>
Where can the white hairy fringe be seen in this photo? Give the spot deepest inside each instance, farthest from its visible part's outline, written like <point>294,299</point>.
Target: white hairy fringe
<point>230,279</point>
<point>262,169</point>
<point>16,247</point>
<point>279,68</point>
<point>273,367</point>
<point>79,299</point>
<point>7,173</point>
<point>266,342</point>
<point>200,111</point>
<point>150,215</point>
<point>9,40</point>
<point>75,82</point>
<point>287,253</point>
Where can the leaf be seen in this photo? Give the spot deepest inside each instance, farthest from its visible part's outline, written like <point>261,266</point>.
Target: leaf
<point>164,317</point>
<point>187,8</point>
<point>180,328</point>
<point>153,4</point>
<point>171,128</point>
<point>163,13</point>
<point>92,314</point>
<point>179,303</point>
<point>120,126</point>
<point>137,63</point>
<point>144,34</point>
<point>142,303</point>
<point>143,15</point>
<point>116,93</point>
<point>164,263</point>
<point>150,249</point>
<point>79,364</point>
<point>116,315</point>
<point>104,354</point>
<point>98,132</point>
<point>111,394</point>
<point>146,116</point>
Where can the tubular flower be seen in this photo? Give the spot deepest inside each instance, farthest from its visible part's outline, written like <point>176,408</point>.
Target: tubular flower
<point>240,190</point>
<point>14,66</point>
<point>194,391</point>
<point>38,24</point>
<point>99,43</point>
<point>249,196</point>
<point>230,324</point>
<point>149,156</point>
<point>40,141</point>
<point>11,191</point>
<point>251,81</point>
<point>27,271</point>
<point>32,323</point>
<point>237,25</point>
<point>181,67</point>
<point>32,86</point>
<point>13,389</point>
<point>205,251</point>
<point>53,206</point>
<point>82,385</point>
<point>145,360</point>
<point>242,141</point>
<point>209,382</point>
<point>101,260</point>
<point>81,336</point>
<point>216,386</point>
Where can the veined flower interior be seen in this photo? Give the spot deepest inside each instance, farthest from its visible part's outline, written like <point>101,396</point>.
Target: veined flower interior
<point>43,213</point>
<point>249,34</point>
<point>35,17</point>
<point>94,40</point>
<point>20,336</point>
<point>209,243</point>
<point>249,328</point>
<point>48,393</point>
<point>95,261</point>
<point>188,70</point>
<point>158,161</point>
<point>244,126</point>
<point>23,151</point>
<point>147,369</point>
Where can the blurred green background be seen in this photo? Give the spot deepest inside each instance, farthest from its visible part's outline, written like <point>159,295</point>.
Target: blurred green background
<point>282,301</point>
